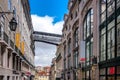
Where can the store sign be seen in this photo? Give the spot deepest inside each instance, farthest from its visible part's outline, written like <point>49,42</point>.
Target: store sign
<point>82,59</point>
<point>22,47</point>
<point>17,39</point>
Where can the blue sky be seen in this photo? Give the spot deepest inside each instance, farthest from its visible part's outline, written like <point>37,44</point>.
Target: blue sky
<point>53,8</point>
<point>47,16</point>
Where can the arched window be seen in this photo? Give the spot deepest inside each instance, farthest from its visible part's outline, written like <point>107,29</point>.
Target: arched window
<point>76,38</point>
<point>88,38</point>
<point>88,24</point>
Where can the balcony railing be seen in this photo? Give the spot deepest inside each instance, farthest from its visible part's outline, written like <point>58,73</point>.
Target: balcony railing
<point>11,44</point>
<point>5,37</point>
<point>16,49</point>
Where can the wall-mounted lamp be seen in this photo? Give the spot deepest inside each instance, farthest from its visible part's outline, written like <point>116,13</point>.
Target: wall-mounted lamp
<point>13,22</point>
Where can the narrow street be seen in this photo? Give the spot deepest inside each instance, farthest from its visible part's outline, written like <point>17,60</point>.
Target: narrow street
<point>83,36</point>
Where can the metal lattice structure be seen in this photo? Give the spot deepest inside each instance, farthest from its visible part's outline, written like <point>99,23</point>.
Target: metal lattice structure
<point>49,38</point>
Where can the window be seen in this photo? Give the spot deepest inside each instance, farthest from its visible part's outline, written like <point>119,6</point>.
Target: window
<point>69,61</point>
<point>88,37</point>
<point>110,7</point>
<point>118,3</point>
<point>76,38</point>
<point>107,31</point>
<point>111,70</point>
<point>1,77</point>
<point>88,53</point>
<point>75,59</point>
<point>103,10</point>
<point>118,35</point>
<point>65,64</point>
<point>102,78</point>
<point>84,30</point>
<point>118,77</point>
<point>102,71</point>
<point>103,45</point>
<point>88,24</point>
<point>2,23</point>
<point>9,5</point>
<point>87,75</point>
<point>13,59</point>
<point>118,69</point>
<point>108,27</point>
<point>75,76</point>
<point>71,16</point>
<point>8,77</point>
<point>69,46</point>
<point>111,40</point>
<point>64,51</point>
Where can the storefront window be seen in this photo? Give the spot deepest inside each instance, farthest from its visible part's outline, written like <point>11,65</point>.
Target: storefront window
<point>111,78</point>
<point>111,70</point>
<point>102,78</point>
<point>103,45</point>
<point>118,70</point>
<point>102,71</point>
<point>118,77</point>
<point>83,75</point>
<point>118,36</point>
<point>111,40</point>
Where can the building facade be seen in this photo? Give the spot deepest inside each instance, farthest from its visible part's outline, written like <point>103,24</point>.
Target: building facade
<point>91,40</point>
<point>43,73</point>
<point>59,61</point>
<point>16,48</point>
<point>53,70</point>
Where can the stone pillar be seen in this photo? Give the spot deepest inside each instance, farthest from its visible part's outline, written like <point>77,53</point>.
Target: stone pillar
<point>5,77</point>
<point>10,64</point>
<point>4,56</point>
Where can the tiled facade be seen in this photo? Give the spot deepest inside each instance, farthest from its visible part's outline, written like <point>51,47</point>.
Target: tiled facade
<point>91,40</point>
<point>16,48</point>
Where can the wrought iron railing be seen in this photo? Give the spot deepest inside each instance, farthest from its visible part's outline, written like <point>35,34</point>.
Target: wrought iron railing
<point>5,37</point>
<point>11,44</point>
<point>16,49</point>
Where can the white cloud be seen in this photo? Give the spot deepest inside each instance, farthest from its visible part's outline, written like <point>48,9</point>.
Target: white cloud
<point>45,52</point>
<point>45,24</point>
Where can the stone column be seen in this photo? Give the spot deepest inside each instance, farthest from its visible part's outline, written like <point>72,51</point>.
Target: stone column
<point>4,56</point>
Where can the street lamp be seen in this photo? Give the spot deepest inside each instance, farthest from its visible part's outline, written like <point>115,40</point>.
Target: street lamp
<point>13,22</point>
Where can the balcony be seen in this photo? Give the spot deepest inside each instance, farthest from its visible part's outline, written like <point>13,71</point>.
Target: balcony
<point>4,39</point>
